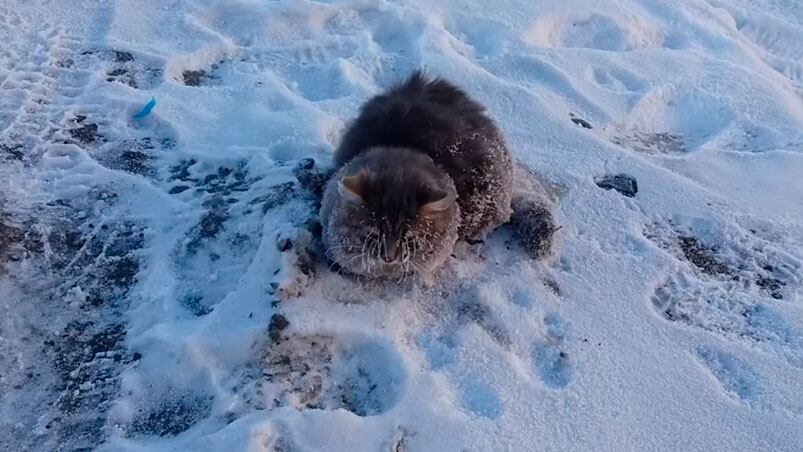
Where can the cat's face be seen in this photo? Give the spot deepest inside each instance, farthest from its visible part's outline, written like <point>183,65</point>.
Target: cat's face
<point>394,219</point>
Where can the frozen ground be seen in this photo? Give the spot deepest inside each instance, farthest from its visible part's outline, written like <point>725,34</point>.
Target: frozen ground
<point>155,291</point>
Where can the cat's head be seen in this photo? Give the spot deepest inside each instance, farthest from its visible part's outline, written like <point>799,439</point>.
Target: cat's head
<point>398,214</point>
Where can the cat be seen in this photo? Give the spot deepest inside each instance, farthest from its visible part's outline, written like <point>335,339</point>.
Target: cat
<point>421,167</point>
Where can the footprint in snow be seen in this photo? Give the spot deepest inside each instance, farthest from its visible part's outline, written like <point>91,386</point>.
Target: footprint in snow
<point>478,398</point>
<point>552,363</point>
<point>735,376</point>
<point>731,282</point>
<point>351,372</point>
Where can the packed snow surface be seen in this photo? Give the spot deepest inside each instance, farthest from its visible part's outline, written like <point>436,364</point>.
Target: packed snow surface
<point>156,286</point>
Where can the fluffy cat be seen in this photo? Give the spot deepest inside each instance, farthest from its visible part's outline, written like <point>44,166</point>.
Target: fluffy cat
<point>421,167</point>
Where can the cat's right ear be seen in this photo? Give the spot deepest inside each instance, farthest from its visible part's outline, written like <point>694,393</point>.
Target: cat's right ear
<point>355,187</point>
<point>440,201</point>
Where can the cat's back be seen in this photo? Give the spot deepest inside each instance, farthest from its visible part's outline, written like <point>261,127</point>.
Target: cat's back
<point>432,116</point>
<point>428,114</point>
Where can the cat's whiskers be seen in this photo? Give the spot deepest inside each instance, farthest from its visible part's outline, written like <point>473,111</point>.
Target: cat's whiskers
<point>411,256</point>
<point>334,248</point>
<point>375,250</point>
<point>405,261</point>
<point>371,256</point>
<point>362,255</point>
<point>348,262</point>
<point>385,247</point>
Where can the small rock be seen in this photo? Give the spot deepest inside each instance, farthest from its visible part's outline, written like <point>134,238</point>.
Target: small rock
<point>580,122</point>
<point>624,184</point>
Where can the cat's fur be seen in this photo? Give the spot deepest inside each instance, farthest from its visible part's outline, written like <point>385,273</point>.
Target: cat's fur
<point>421,167</point>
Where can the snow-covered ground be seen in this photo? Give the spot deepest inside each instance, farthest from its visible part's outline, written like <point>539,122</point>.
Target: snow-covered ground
<point>155,289</point>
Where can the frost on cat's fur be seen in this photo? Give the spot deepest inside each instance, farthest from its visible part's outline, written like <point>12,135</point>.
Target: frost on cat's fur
<point>420,167</point>
<point>532,219</point>
<point>361,232</point>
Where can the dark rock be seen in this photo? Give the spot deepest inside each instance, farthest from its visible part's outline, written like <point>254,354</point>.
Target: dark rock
<point>624,184</point>
<point>581,122</point>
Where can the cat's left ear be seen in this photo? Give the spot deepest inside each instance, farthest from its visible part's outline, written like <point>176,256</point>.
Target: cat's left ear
<point>440,201</point>
<point>355,187</point>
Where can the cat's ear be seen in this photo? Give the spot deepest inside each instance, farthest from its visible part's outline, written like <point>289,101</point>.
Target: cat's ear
<point>354,187</point>
<point>438,202</point>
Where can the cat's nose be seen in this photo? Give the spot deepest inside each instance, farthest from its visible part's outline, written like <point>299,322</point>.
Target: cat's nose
<point>391,253</point>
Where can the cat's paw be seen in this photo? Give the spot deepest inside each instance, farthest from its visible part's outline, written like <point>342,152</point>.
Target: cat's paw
<point>534,225</point>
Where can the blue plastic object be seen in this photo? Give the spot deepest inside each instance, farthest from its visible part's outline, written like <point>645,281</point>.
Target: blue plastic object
<point>146,110</point>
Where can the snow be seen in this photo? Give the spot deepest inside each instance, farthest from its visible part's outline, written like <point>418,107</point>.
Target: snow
<point>142,275</point>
